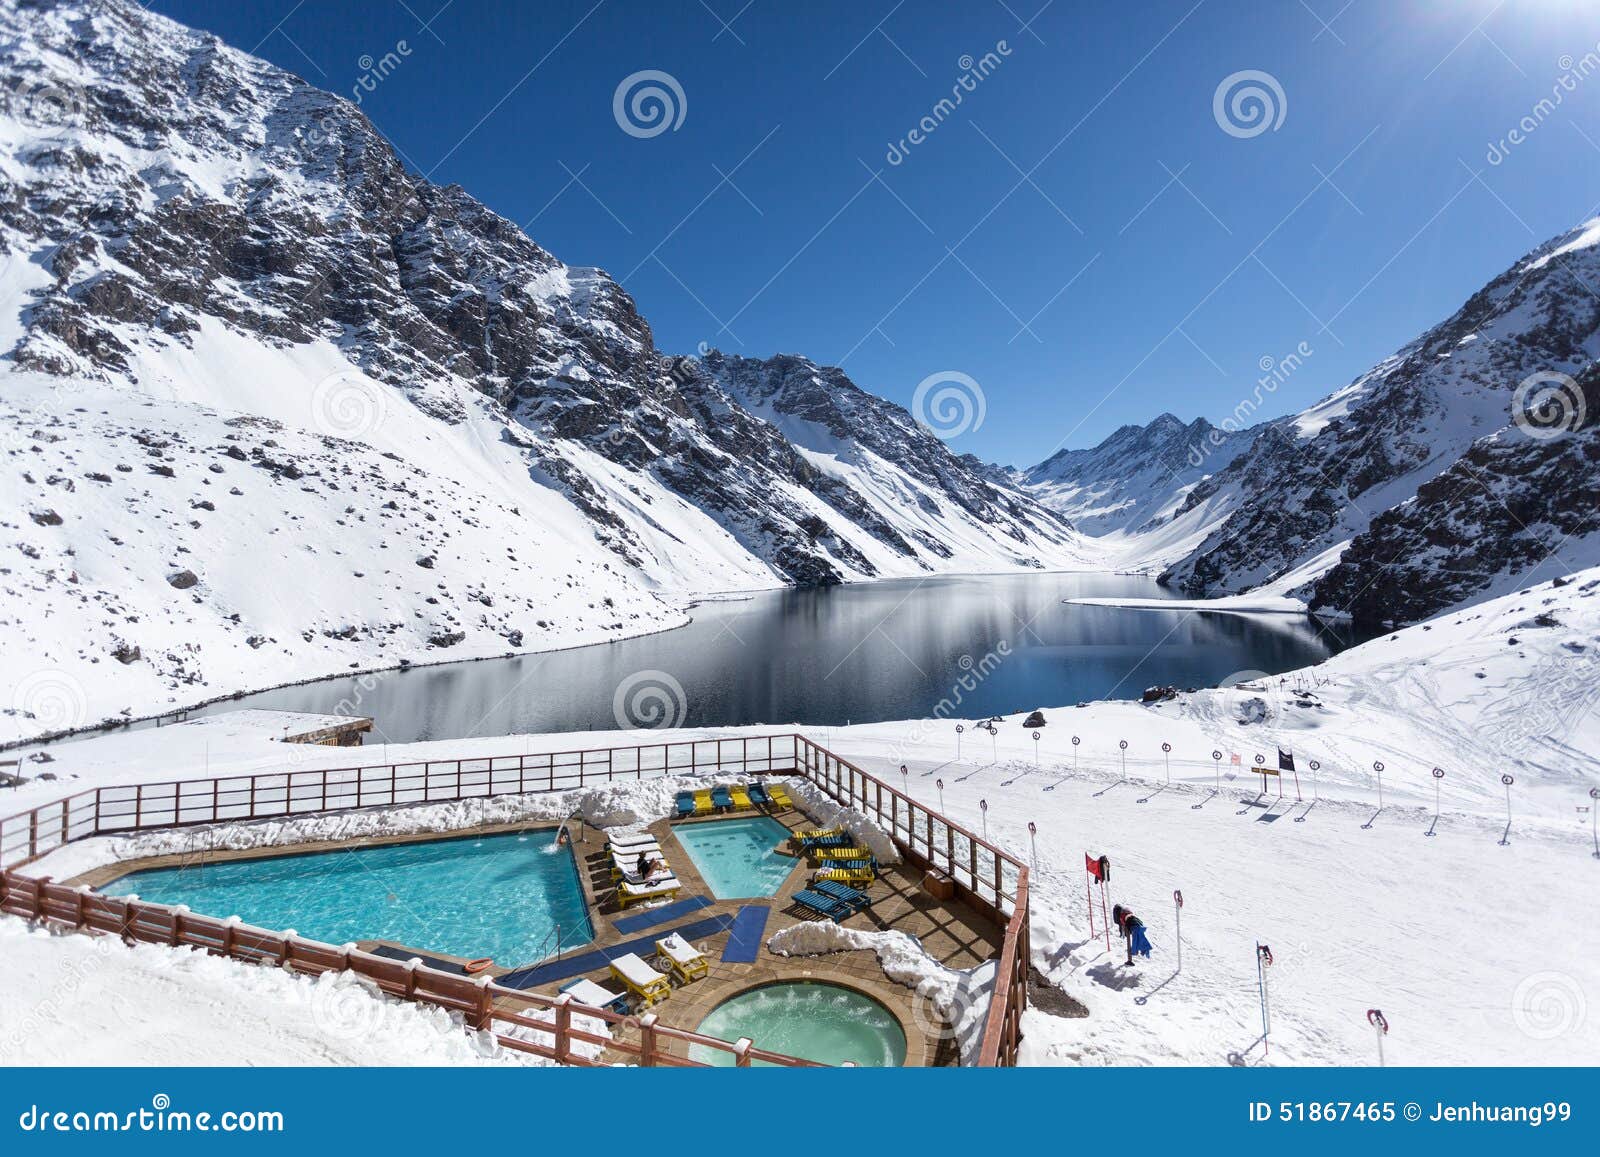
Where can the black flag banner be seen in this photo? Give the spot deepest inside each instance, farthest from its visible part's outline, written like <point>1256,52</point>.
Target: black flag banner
<point>1285,760</point>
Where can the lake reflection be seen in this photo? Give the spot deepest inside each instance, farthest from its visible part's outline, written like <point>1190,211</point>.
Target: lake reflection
<point>860,653</point>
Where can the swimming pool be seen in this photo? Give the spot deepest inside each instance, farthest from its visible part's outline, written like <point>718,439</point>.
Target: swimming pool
<point>736,858</point>
<point>499,896</point>
<point>809,1019</point>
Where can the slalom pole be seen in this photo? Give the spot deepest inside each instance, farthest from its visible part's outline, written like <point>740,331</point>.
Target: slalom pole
<point>1177,923</point>
<point>1075,742</point>
<point>959,730</point>
<point>1438,780</point>
<point>983,806</point>
<point>1122,747</point>
<point>1216,757</point>
<point>1105,914</point>
<point>1166,757</point>
<point>1508,780</point>
<point>1594,819</point>
<point>1036,749</point>
<point>1376,1019</point>
<point>1263,959</point>
<point>939,784</point>
<point>1033,851</point>
<point>1088,895</point>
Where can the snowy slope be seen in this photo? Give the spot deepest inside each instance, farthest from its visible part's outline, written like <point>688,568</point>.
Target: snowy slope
<point>220,243</point>
<point>1460,416</point>
<point>73,1000</point>
<point>1449,935</point>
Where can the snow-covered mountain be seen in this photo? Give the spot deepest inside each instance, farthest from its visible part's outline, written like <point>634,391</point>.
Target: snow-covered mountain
<point>1447,470</point>
<point>1136,480</point>
<point>222,292</point>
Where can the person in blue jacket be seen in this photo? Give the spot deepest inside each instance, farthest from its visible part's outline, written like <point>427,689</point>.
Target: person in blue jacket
<point>1132,929</point>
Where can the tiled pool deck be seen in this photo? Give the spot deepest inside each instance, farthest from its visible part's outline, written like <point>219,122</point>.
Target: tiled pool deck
<point>954,934</point>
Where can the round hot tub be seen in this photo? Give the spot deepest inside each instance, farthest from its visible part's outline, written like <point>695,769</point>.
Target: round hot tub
<point>811,1019</point>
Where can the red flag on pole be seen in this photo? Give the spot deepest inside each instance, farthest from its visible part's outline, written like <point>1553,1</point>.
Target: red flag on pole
<point>1091,864</point>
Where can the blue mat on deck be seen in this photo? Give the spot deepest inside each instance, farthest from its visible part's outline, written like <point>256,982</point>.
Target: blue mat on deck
<point>653,916</point>
<point>744,938</point>
<point>598,958</point>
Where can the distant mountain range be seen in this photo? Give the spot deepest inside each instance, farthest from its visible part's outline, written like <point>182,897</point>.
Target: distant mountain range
<point>1458,467</point>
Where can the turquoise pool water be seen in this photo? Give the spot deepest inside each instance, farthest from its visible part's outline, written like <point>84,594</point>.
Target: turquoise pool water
<point>497,896</point>
<point>736,857</point>
<point>819,1022</point>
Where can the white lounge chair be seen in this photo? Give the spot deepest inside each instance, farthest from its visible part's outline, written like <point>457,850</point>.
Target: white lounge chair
<point>626,866</point>
<point>683,958</point>
<point>589,993</point>
<point>640,979</point>
<point>629,839</point>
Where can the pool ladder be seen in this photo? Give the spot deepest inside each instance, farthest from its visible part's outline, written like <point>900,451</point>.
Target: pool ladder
<point>194,852</point>
<point>540,955</point>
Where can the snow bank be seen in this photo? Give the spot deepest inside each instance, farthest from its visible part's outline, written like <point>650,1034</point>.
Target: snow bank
<point>829,814</point>
<point>948,1002</point>
<point>75,1000</point>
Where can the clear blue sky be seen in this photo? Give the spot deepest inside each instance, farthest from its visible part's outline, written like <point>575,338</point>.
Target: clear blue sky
<point>1149,261</point>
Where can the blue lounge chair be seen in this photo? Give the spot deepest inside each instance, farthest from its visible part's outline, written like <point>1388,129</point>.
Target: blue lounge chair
<point>721,800</point>
<point>822,905</point>
<point>686,803</point>
<point>759,796</point>
<point>856,900</point>
<point>842,840</point>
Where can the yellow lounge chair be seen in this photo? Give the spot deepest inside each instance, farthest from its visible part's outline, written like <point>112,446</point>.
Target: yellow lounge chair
<point>841,853</point>
<point>779,797</point>
<point>665,888</point>
<point>702,803</point>
<point>741,798</point>
<point>640,979</point>
<point>848,875</point>
<point>682,958</point>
